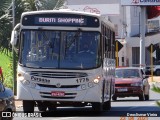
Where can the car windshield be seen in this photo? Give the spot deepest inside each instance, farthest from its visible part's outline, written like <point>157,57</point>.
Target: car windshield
<point>60,49</point>
<point>127,73</point>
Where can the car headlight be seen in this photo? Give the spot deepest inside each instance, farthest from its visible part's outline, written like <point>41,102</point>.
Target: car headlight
<point>137,84</point>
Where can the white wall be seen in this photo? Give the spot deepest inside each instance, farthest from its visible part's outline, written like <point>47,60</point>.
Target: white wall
<point>81,2</point>
<point>132,18</point>
<point>112,9</point>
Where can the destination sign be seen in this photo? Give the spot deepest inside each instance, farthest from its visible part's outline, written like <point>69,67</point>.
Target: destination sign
<point>54,19</point>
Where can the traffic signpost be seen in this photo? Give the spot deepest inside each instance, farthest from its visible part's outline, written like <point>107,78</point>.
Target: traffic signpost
<point>118,48</point>
<point>151,47</point>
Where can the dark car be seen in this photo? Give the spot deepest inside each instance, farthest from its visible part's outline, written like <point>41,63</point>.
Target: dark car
<point>131,81</point>
<point>155,68</point>
<point>7,103</point>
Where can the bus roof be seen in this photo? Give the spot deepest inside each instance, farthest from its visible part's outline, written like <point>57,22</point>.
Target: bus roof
<point>68,11</point>
<point>60,11</point>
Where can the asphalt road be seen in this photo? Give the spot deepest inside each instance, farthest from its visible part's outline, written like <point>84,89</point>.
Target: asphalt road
<point>129,108</point>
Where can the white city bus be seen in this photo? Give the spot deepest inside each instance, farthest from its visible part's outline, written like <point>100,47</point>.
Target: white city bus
<point>66,58</point>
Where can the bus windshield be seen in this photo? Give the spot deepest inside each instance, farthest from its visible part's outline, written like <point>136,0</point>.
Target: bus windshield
<point>60,49</point>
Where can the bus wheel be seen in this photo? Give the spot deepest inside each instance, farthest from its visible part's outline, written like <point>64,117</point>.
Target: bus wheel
<point>98,107</point>
<point>28,106</point>
<point>42,106</point>
<point>114,98</point>
<point>107,105</point>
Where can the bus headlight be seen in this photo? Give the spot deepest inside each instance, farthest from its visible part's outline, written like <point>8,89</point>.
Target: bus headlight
<point>96,80</point>
<point>20,77</point>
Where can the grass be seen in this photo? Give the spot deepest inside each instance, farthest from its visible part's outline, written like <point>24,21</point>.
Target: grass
<point>6,65</point>
<point>4,62</point>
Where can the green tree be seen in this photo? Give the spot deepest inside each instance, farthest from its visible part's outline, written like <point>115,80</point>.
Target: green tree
<point>4,4</point>
<point>49,4</point>
<point>5,26</point>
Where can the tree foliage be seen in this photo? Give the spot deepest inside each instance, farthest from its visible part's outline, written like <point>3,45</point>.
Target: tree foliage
<point>4,5</point>
<point>5,25</point>
<point>49,4</point>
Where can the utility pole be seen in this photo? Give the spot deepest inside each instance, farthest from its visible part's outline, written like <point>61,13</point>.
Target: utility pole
<point>13,52</point>
<point>142,35</point>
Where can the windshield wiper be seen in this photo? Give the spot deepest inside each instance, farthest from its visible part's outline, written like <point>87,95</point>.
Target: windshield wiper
<point>74,38</point>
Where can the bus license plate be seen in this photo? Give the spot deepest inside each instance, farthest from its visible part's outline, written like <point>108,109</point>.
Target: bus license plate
<point>57,93</point>
<point>122,89</point>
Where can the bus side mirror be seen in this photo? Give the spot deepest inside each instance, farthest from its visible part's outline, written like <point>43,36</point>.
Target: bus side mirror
<point>14,38</point>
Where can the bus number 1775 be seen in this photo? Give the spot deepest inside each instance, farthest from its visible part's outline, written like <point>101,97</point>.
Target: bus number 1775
<point>81,80</point>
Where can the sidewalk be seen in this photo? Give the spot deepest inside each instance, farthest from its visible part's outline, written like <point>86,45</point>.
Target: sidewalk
<point>155,79</point>
<point>18,103</point>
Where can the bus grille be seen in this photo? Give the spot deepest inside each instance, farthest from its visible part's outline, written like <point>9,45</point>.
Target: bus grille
<point>67,95</point>
<point>58,74</point>
<point>54,86</point>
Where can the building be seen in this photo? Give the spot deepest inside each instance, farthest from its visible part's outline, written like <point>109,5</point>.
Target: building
<point>127,23</point>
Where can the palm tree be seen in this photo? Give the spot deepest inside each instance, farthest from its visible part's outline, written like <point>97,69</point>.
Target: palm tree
<point>49,4</point>
<point>4,5</point>
<point>34,5</point>
<point>5,24</point>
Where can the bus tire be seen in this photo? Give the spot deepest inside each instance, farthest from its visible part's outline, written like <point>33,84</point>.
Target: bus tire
<point>42,106</point>
<point>97,107</point>
<point>28,106</point>
<point>107,105</point>
<point>114,98</point>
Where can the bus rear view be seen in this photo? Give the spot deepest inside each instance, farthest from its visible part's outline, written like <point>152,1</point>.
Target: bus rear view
<point>62,61</point>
